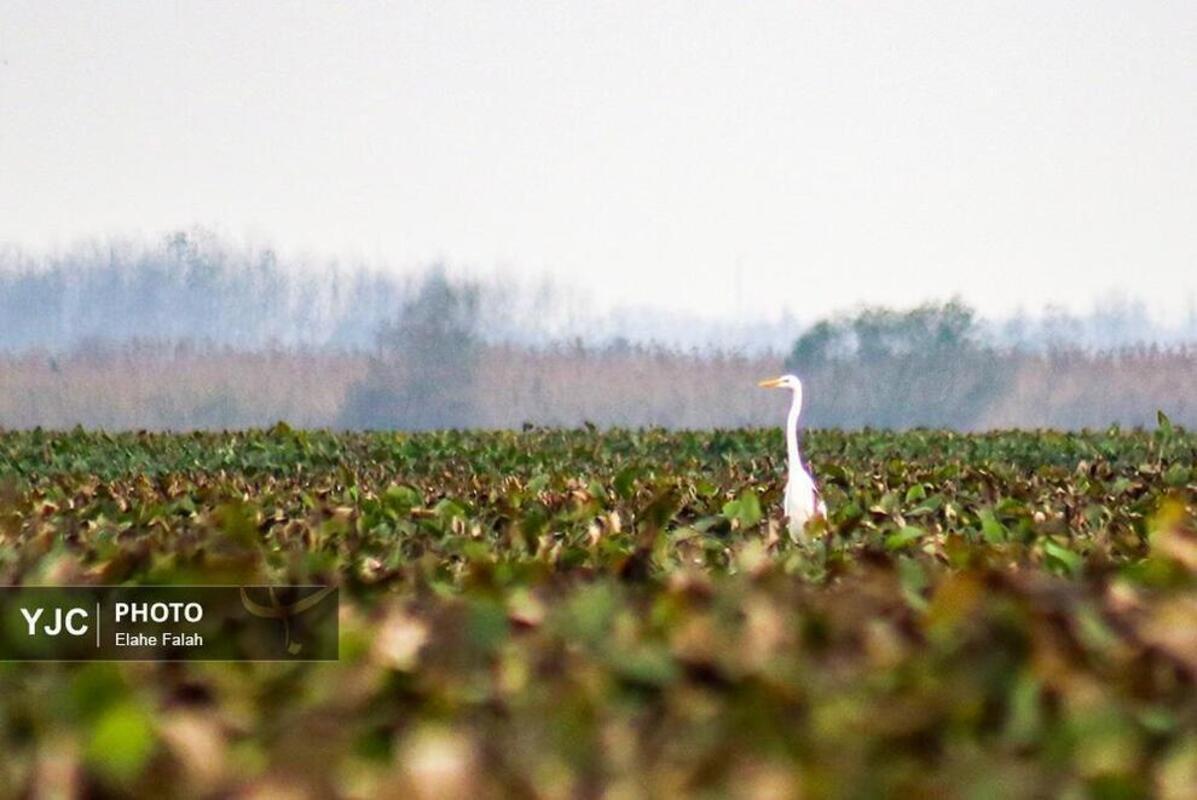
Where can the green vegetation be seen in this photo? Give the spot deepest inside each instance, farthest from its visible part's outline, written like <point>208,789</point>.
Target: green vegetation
<point>929,365</point>
<point>575,613</point>
<point>424,379</point>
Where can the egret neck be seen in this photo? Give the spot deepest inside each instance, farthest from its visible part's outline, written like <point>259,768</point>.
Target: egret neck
<point>792,429</point>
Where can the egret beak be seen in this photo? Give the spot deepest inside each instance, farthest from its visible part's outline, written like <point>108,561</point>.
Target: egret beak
<point>772,383</point>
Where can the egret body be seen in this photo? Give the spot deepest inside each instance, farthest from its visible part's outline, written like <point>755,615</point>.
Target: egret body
<point>802,501</point>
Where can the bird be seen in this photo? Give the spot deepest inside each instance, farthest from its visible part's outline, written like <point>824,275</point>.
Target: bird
<point>802,500</point>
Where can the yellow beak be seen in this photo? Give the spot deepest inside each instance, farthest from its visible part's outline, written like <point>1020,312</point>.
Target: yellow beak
<point>772,383</point>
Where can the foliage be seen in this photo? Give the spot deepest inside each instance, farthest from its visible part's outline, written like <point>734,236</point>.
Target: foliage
<point>425,378</point>
<point>562,613</point>
<point>874,334</point>
<point>924,366</point>
<point>190,286</point>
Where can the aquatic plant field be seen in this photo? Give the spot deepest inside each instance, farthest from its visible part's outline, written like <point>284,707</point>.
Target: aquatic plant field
<point>614,613</point>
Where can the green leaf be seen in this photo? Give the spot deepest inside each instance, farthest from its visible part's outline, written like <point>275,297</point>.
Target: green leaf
<point>449,509</point>
<point>746,508</point>
<point>992,531</point>
<point>121,742</point>
<point>401,498</point>
<point>647,665</point>
<point>487,624</point>
<point>625,482</point>
<point>913,581</point>
<point>904,537</point>
<point>1177,475</point>
<point>1061,558</point>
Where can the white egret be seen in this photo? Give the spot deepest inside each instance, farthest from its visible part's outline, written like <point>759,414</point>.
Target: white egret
<point>802,500</point>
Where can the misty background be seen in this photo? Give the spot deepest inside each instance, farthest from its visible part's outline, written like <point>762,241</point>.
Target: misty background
<point>419,214</point>
<point>192,332</point>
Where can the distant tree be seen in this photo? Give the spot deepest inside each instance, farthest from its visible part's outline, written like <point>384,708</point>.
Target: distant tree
<point>876,331</point>
<point>879,366</point>
<point>874,334</point>
<point>423,377</point>
<point>816,347</point>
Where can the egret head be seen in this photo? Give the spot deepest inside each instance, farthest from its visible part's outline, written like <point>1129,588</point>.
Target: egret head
<point>784,382</point>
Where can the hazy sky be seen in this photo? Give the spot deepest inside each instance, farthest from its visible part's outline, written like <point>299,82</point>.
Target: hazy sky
<point>720,157</point>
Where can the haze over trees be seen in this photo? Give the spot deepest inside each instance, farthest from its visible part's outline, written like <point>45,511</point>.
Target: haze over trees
<point>191,332</point>
<point>197,286</point>
<point>422,378</point>
<point>928,366</point>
